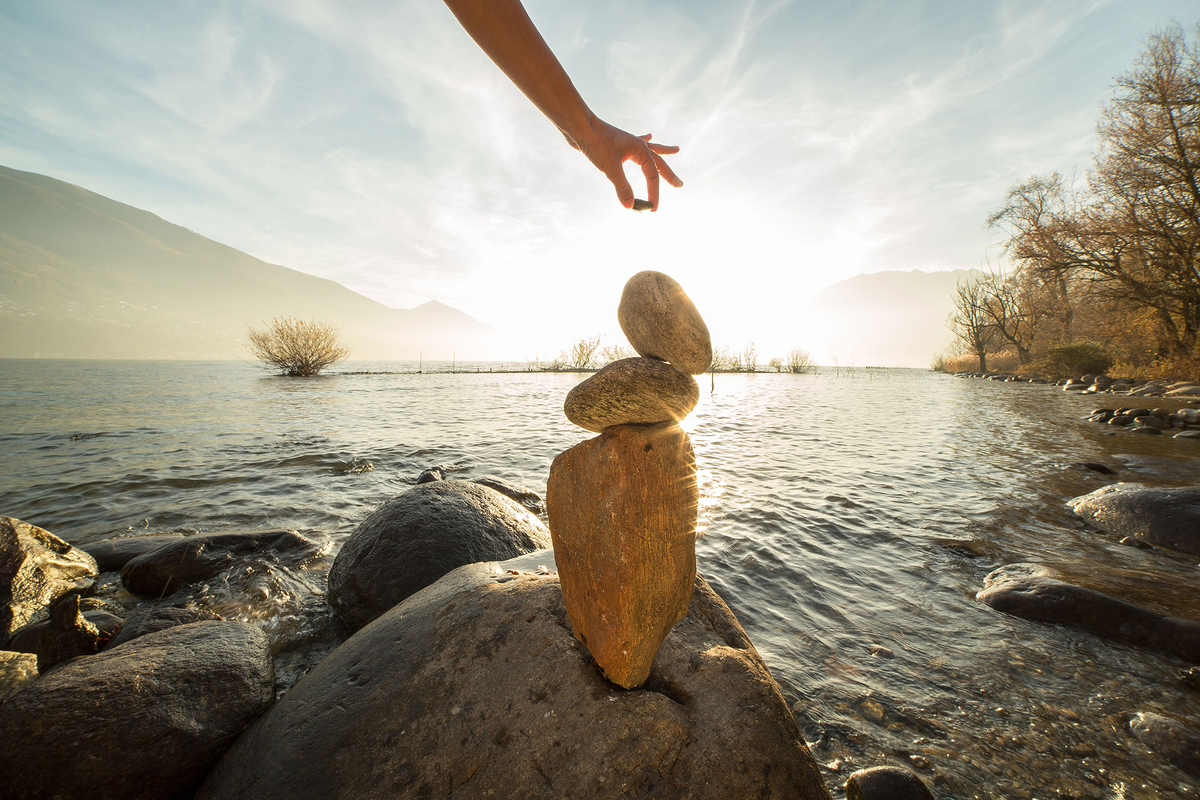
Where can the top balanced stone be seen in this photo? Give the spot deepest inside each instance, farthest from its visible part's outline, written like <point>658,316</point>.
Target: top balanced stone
<point>661,322</point>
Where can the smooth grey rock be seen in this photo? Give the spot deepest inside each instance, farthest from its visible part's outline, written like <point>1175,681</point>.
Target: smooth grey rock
<point>17,670</point>
<point>414,539</point>
<point>206,555</point>
<point>1042,598</point>
<point>1168,739</point>
<point>632,390</point>
<point>36,568</point>
<point>148,619</point>
<point>113,554</point>
<point>526,497</point>
<point>660,321</point>
<point>145,721</point>
<point>431,474</point>
<point>29,638</point>
<point>886,783</point>
<point>1164,517</point>
<point>475,687</point>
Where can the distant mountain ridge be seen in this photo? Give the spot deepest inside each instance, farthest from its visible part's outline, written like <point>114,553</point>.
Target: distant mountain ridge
<point>85,276</point>
<point>889,319</point>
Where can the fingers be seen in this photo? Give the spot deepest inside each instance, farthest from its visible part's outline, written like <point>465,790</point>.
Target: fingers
<point>666,171</point>
<point>624,190</point>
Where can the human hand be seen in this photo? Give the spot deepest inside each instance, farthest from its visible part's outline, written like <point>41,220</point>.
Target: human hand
<point>609,147</point>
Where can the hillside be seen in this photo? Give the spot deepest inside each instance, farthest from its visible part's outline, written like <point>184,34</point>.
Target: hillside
<point>890,319</point>
<point>84,276</point>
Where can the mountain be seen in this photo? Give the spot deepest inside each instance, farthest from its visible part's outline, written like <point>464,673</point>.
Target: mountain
<point>889,319</point>
<point>84,276</point>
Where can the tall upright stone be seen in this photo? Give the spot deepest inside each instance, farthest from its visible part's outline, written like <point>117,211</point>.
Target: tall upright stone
<point>622,510</point>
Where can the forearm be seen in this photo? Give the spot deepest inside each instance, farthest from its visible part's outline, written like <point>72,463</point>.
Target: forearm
<point>504,31</point>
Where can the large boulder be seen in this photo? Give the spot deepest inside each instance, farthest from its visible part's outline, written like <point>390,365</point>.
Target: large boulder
<point>140,722</point>
<point>1026,590</point>
<point>622,510</point>
<point>632,390</point>
<point>1164,517</point>
<point>36,568</point>
<point>113,554</point>
<point>206,555</point>
<point>660,321</point>
<point>475,687</point>
<point>414,539</point>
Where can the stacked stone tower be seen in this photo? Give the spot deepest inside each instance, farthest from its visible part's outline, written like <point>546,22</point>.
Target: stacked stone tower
<point>623,505</point>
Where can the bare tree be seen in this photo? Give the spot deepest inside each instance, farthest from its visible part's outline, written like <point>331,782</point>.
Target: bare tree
<point>799,361</point>
<point>583,352</point>
<point>1016,306</point>
<point>297,347</point>
<point>615,352</point>
<point>776,364</point>
<point>1135,232</point>
<point>969,322</point>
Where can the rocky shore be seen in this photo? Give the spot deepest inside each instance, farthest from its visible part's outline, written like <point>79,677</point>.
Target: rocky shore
<point>460,672</point>
<point>1147,517</point>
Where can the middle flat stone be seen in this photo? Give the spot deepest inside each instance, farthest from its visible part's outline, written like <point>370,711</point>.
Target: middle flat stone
<point>632,390</point>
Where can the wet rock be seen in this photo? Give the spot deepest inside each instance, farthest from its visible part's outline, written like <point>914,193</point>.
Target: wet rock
<point>113,554</point>
<point>1103,469</point>
<point>1164,517</point>
<point>67,636</point>
<point>36,568</point>
<point>1147,429</point>
<point>1121,419</point>
<point>475,687</point>
<point>526,497</point>
<point>29,638</point>
<point>1037,596</point>
<point>1102,416</point>
<point>1187,435</point>
<point>148,619</point>
<point>1151,421</point>
<point>1169,739</point>
<point>414,539</point>
<point>1191,677</point>
<point>880,651</point>
<point>622,510</point>
<point>632,390</point>
<point>661,322</point>
<point>431,474</point>
<point>146,720</point>
<point>886,783</point>
<point>17,670</point>
<point>206,555</point>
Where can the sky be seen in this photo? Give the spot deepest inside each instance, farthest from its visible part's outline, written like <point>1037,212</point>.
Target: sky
<point>374,144</point>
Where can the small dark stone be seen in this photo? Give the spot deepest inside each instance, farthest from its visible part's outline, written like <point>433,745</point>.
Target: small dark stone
<point>886,783</point>
<point>1169,739</point>
<point>641,205</point>
<point>1096,467</point>
<point>431,474</point>
<point>1131,541</point>
<point>526,497</point>
<point>206,555</point>
<point>112,554</point>
<point>1121,419</point>
<point>148,619</point>
<point>68,635</point>
<point>1145,429</point>
<point>29,638</point>
<point>1191,677</point>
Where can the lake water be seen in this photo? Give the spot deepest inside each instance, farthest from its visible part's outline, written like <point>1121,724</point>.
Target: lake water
<point>841,511</point>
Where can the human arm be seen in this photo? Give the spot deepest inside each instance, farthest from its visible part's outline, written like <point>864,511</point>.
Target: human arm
<point>504,31</point>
